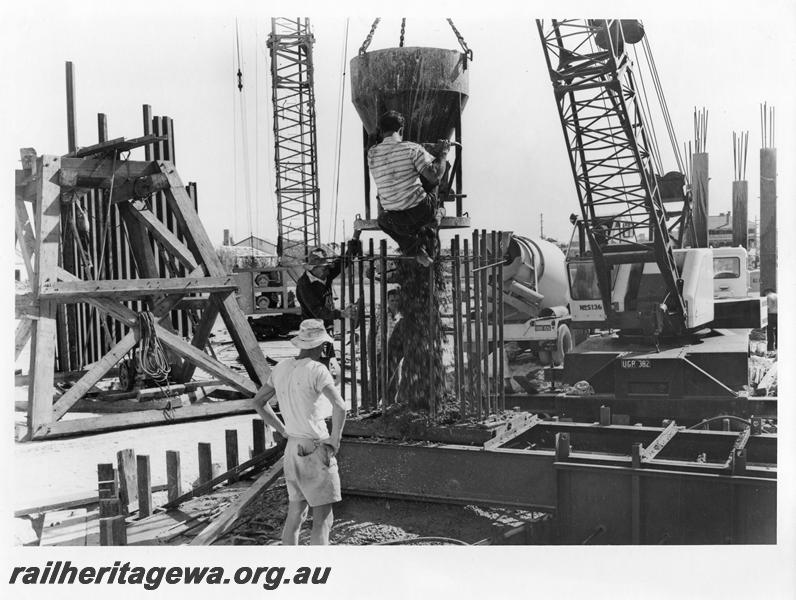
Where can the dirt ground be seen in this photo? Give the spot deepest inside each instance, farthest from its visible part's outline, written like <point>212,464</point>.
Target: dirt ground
<point>360,521</point>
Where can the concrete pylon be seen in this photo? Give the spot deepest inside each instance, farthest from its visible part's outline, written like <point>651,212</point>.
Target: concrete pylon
<point>700,207</point>
<point>740,217</point>
<point>768,219</point>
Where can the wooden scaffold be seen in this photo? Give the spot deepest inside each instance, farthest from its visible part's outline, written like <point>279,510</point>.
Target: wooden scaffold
<point>51,184</point>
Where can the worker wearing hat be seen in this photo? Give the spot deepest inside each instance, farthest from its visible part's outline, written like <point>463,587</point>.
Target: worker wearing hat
<point>314,288</point>
<point>305,390</point>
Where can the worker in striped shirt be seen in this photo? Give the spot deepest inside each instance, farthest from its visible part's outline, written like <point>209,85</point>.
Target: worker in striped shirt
<point>407,176</point>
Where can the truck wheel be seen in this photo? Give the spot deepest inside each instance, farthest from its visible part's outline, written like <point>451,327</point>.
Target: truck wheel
<point>545,358</point>
<point>563,345</point>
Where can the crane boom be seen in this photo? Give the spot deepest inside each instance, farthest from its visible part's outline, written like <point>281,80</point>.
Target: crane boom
<point>610,153</point>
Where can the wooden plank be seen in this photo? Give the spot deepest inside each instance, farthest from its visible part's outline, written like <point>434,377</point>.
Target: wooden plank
<point>147,531</point>
<point>80,291</point>
<point>162,233</point>
<point>173,474</point>
<point>97,173</point>
<point>258,436</point>
<point>43,335</point>
<point>144,417</point>
<point>22,335</point>
<point>205,463</point>
<point>205,362</point>
<point>109,507</point>
<point>71,111</point>
<point>118,144</point>
<point>249,350</point>
<point>144,473</point>
<point>25,305</point>
<point>113,531</point>
<point>201,335</point>
<point>76,500</point>
<point>660,442</point>
<point>140,244</point>
<point>128,480</point>
<point>25,237</point>
<point>106,481</point>
<point>231,447</point>
<point>226,520</point>
<point>66,527</point>
<point>265,458</point>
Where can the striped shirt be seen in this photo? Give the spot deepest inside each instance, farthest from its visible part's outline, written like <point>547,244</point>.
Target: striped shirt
<point>396,166</point>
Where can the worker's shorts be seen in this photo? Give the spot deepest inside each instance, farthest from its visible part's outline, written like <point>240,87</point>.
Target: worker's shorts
<point>412,226</point>
<point>311,472</point>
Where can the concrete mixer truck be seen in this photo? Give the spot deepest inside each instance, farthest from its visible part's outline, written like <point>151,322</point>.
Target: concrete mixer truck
<point>536,298</point>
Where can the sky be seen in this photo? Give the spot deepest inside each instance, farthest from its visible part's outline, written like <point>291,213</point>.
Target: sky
<point>180,58</point>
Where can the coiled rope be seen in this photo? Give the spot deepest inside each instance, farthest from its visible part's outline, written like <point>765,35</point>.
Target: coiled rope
<point>151,356</point>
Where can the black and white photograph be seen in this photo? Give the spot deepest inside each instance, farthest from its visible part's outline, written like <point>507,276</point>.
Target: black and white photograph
<point>290,274</point>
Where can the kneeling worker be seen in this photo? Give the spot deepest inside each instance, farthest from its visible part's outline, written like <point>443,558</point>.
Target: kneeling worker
<point>404,173</point>
<point>304,389</point>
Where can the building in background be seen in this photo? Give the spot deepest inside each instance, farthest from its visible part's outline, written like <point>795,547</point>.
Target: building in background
<point>720,232</point>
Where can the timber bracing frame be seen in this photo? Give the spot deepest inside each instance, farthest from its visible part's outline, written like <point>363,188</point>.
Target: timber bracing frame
<point>50,183</point>
<point>293,96</point>
<point>609,149</point>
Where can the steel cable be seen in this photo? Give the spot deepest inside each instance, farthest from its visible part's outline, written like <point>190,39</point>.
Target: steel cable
<point>151,356</point>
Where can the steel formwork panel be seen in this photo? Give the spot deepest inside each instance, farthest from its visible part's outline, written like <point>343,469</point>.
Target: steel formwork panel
<point>592,479</point>
<point>669,507</point>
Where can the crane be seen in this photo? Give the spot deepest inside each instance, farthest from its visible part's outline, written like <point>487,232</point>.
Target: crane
<point>268,291</point>
<point>621,193</point>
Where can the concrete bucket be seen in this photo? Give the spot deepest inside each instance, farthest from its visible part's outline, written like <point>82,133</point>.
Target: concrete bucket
<point>429,86</point>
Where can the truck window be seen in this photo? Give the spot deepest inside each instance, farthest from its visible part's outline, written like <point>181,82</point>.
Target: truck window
<point>583,281</point>
<point>726,267</point>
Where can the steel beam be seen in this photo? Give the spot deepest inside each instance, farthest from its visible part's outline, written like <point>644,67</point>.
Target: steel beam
<point>448,473</point>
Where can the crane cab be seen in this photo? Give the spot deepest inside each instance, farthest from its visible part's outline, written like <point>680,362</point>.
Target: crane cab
<point>638,291</point>
<point>730,272</point>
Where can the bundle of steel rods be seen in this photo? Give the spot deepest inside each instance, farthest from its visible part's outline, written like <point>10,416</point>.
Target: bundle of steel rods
<point>446,355</point>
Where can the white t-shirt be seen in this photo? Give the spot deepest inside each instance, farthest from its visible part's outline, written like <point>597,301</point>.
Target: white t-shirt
<point>298,385</point>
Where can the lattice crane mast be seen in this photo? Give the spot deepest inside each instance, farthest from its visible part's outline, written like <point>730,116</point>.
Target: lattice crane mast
<point>298,196</point>
<point>611,153</point>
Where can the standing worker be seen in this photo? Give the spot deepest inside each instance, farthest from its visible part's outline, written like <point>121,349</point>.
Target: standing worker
<point>394,341</point>
<point>314,289</point>
<point>406,176</point>
<point>305,388</point>
<point>771,328</point>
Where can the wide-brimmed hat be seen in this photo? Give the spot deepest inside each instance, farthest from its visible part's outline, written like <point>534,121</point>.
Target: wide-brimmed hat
<point>317,258</point>
<point>312,334</point>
